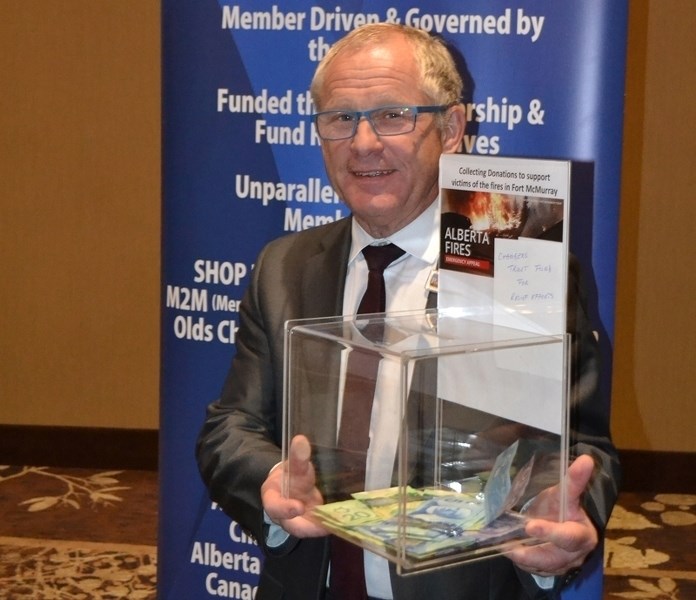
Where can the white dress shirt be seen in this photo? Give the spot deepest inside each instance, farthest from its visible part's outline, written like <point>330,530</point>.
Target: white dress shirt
<point>406,281</point>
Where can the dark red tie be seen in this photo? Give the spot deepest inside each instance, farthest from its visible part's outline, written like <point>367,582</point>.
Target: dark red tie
<point>347,581</point>
<point>377,258</point>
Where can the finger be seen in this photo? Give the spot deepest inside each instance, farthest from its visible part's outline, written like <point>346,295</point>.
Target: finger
<point>578,476</point>
<point>528,558</point>
<point>279,508</point>
<point>302,528</point>
<point>569,536</point>
<point>299,455</point>
<point>567,546</point>
<point>545,559</point>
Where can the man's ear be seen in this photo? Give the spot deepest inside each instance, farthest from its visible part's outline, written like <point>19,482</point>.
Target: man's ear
<point>453,130</point>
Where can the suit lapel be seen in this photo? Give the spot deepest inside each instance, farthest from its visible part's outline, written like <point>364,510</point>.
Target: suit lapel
<point>324,275</point>
<point>321,295</point>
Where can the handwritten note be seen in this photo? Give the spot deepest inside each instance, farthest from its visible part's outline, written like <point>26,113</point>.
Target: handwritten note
<point>530,279</point>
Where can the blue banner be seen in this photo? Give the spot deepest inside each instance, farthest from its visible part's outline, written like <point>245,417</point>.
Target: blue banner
<point>241,165</point>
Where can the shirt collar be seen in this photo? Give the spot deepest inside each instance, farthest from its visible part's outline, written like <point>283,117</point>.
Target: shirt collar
<point>419,238</point>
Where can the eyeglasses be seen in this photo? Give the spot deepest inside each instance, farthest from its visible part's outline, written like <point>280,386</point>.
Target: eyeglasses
<point>387,120</point>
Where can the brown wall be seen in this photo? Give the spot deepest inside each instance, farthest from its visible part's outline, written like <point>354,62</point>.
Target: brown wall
<point>80,220</point>
<point>654,368</point>
<point>80,213</point>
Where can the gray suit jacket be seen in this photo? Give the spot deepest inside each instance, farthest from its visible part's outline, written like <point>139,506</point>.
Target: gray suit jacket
<point>300,276</point>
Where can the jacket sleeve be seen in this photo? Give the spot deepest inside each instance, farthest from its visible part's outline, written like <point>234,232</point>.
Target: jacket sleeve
<point>589,410</point>
<point>295,276</point>
<point>239,442</point>
<point>589,425</point>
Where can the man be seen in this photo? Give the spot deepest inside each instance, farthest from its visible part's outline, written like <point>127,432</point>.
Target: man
<point>384,165</point>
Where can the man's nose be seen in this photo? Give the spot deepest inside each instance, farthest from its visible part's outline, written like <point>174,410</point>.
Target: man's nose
<point>365,135</point>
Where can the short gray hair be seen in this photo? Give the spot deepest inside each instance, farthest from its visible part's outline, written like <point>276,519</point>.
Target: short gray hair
<point>440,79</point>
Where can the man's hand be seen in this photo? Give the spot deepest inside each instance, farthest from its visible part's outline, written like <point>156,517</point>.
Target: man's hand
<point>569,542</point>
<point>303,494</point>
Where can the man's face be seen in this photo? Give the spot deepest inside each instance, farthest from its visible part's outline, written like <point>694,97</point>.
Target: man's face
<point>387,181</point>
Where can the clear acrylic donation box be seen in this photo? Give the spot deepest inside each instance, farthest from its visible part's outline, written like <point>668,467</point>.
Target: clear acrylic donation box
<point>465,431</point>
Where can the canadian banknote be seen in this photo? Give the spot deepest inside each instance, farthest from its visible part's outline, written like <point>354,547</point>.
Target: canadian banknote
<point>432,522</point>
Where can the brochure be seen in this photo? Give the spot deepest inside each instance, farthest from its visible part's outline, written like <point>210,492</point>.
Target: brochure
<point>504,238</point>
